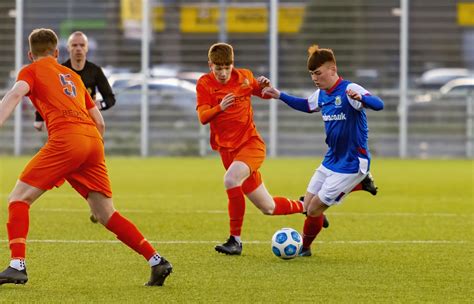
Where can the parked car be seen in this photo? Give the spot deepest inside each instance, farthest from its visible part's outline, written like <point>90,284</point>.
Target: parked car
<point>173,71</point>
<point>435,78</point>
<point>170,91</point>
<point>459,85</point>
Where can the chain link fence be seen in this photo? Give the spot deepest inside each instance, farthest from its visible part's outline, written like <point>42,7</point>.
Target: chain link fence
<point>364,34</point>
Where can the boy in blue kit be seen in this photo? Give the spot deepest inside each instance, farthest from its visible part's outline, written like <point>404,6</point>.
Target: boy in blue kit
<point>347,161</point>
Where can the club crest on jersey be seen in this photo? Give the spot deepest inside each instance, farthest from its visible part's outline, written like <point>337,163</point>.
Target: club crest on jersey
<point>245,83</point>
<point>338,101</point>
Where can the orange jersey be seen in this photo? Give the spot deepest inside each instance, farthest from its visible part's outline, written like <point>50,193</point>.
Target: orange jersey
<point>234,126</point>
<point>60,97</point>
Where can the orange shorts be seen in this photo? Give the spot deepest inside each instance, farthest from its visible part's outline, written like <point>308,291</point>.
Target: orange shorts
<point>79,159</point>
<point>252,153</point>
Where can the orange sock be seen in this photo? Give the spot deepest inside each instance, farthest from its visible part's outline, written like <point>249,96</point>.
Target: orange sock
<point>17,227</point>
<point>312,227</point>
<point>236,208</point>
<point>128,233</point>
<point>284,206</point>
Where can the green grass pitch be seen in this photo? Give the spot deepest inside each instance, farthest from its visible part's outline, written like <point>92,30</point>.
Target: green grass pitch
<point>411,243</point>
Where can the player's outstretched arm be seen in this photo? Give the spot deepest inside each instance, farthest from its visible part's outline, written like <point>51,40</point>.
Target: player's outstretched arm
<point>372,102</point>
<point>264,82</point>
<point>271,92</point>
<point>297,103</point>
<point>259,84</point>
<point>12,99</point>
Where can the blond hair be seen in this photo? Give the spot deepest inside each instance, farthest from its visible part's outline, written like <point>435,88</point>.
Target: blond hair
<point>43,42</point>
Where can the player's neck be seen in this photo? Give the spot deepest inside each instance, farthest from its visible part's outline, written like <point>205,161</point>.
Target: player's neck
<point>334,82</point>
<point>78,65</point>
<point>41,57</point>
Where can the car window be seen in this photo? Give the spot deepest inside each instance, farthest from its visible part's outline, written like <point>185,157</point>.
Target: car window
<point>462,89</point>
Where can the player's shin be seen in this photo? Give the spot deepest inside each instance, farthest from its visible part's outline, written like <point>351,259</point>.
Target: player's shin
<point>312,227</point>
<point>17,227</point>
<point>128,233</point>
<point>236,208</point>
<point>284,206</point>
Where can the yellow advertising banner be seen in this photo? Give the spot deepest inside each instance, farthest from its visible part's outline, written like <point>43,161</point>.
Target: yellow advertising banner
<point>131,14</point>
<point>199,19</point>
<point>466,14</point>
<point>240,18</point>
<point>247,20</point>
<point>290,18</point>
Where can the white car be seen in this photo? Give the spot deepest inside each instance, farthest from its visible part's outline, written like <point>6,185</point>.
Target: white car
<point>435,78</point>
<point>459,85</point>
<point>163,92</point>
<point>169,92</point>
<point>455,86</point>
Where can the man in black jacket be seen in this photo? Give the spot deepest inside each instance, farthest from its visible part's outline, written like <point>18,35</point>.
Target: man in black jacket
<point>91,74</point>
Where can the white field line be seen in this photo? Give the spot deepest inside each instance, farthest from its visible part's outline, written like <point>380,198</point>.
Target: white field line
<point>360,242</point>
<point>223,211</point>
<point>87,210</point>
<point>399,214</point>
<point>375,214</point>
<point>128,196</point>
<point>438,214</point>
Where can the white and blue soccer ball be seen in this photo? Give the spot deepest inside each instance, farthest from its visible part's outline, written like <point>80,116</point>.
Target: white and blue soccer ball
<point>286,243</point>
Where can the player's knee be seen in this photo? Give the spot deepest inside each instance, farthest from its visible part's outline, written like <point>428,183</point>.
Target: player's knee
<point>230,181</point>
<point>14,197</point>
<point>101,218</point>
<point>313,212</point>
<point>103,215</point>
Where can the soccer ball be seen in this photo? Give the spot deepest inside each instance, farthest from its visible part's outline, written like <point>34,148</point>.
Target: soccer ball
<point>286,243</point>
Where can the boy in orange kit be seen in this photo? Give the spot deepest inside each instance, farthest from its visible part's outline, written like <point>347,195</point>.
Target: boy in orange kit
<point>74,152</point>
<point>223,100</point>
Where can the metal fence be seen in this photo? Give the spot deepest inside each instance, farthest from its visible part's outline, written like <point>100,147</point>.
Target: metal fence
<point>365,35</point>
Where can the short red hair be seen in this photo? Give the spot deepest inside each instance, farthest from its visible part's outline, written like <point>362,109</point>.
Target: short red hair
<point>221,54</point>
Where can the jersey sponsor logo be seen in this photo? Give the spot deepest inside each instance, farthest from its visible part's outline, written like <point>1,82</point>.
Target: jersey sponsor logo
<point>237,99</point>
<point>340,116</point>
<point>73,114</point>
